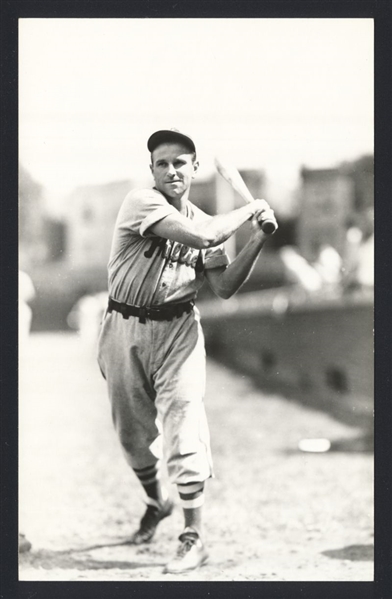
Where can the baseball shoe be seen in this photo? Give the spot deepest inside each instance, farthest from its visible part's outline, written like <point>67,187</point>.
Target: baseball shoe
<point>155,512</point>
<point>191,553</point>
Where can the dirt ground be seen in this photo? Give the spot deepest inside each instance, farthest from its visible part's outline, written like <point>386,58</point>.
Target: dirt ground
<point>273,513</point>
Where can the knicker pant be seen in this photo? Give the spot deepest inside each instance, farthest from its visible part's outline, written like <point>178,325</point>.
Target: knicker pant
<point>155,374</point>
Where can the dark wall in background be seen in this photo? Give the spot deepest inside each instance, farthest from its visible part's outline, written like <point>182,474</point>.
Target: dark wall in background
<point>320,353</point>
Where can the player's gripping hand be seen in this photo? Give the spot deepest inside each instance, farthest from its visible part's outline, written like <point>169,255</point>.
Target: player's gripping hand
<point>263,213</point>
<point>258,206</point>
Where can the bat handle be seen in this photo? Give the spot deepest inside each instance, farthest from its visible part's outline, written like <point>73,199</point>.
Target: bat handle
<point>269,226</point>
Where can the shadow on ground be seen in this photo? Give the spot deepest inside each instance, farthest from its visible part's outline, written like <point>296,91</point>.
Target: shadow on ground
<point>354,553</point>
<point>69,560</point>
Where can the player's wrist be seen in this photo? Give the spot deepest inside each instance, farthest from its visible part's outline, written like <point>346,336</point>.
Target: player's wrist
<point>258,234</point>
<point>250,209</point>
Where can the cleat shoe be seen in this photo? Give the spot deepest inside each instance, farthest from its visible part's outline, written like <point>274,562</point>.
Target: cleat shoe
<point>155,512</point>
<point>191,554</point>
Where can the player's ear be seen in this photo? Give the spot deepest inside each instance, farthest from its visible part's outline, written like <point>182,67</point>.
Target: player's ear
<point>152,163</point>
<point>195,168</point>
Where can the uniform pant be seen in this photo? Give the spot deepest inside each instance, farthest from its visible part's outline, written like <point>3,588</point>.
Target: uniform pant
<point>155,374</point>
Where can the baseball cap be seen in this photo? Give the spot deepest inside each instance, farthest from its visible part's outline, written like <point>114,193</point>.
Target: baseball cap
<point>170,135</point>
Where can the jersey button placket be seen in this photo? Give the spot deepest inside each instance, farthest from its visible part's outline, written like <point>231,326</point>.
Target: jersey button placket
<point>167,277</point>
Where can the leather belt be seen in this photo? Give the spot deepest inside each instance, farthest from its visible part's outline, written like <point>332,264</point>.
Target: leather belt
<point>151,312</point>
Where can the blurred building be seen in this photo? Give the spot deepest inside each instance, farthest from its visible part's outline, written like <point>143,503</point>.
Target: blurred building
<point>55,238</point>
<point>326,202</point>
<point>91,214</point>
<point>361,172</point>
<point>32,247</point>
<point>331,200</point>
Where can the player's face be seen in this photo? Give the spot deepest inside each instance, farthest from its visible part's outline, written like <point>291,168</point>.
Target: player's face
<point>173,169</point>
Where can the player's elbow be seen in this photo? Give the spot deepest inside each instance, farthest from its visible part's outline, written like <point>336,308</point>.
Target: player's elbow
<point>208,240</point>
<point>198,241</point>
<point>205,237</point>
<point>224,292</point>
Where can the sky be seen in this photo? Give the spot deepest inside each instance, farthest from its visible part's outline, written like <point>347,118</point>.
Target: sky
<point>274,94</point>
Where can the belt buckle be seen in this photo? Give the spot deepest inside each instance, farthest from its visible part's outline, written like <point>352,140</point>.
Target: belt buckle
<point>152,313</point>
<point>160,313</point>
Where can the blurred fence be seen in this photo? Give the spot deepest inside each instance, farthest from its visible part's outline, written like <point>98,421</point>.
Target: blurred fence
<point>318,349</point>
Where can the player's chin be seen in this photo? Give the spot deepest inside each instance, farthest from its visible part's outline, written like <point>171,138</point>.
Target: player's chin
<point>174,190</point>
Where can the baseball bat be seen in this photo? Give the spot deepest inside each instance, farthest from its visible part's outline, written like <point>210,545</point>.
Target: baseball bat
<point>232,176</point>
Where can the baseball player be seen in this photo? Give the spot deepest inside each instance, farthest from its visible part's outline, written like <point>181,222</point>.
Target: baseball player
<point>151,345</point>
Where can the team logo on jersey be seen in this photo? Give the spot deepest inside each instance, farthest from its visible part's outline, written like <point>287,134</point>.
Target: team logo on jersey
<point>175,252</point>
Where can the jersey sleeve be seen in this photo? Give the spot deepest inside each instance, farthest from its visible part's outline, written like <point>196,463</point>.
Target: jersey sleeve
<point>216,257</point>
<point>141,209</point>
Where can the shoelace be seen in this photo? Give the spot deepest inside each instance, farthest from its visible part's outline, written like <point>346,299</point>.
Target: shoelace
<point>186,546</point>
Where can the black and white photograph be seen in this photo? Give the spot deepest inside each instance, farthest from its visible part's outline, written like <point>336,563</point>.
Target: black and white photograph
<point>196,299</point>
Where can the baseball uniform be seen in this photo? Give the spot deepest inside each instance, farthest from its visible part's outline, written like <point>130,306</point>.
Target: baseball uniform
<point>155,369</point>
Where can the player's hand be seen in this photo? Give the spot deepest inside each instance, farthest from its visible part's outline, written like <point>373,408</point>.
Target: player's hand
<point>258,206</point>
<point>263,212</point>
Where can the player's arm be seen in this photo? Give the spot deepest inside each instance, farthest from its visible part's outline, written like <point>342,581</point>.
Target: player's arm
<point>225,281</point>
<point>209,233</point>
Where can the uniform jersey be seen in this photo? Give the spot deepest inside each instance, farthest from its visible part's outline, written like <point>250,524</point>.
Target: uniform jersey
<point>147,270</point>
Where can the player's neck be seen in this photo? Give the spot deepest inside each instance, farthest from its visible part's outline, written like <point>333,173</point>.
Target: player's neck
<point>179,203</point>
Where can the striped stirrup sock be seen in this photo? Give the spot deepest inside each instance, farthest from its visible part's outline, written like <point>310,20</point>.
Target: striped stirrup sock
<point>150,479</point>
<point>191,495</point>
